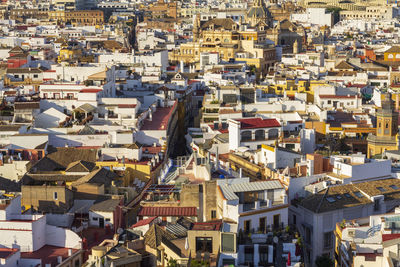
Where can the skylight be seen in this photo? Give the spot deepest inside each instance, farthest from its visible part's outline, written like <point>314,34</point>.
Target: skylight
<point>347,195</point>
<point>381,189</point>
<point>339,197</point>
<point>330,199</point>
<point>358,194</point>
<point>395,187</point>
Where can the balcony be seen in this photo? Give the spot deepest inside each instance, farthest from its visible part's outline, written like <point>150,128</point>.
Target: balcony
<point>262,204</point>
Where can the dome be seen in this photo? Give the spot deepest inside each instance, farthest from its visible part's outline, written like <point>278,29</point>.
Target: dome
<point>258,11</point>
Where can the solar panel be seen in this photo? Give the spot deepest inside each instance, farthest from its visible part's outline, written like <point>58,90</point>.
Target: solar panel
<point>358,194</point>
<point>330,199</point>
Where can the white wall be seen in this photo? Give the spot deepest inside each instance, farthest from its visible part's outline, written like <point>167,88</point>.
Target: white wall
<point>28,141</point>
<point>150,137</point>
<point>120,152</point>
<point>12,260</point>
<point>307,141</point>
<point>79,140</point>
<point>100,214</point>
<point>269,215</point>
<point>14,170</point>
<point>234,134</point>
<point>60,237</point>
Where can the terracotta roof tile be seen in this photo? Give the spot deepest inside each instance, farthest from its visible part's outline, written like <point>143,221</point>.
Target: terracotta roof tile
<point>253,123</point>
<point>144,222</point>
<point>168,211</point>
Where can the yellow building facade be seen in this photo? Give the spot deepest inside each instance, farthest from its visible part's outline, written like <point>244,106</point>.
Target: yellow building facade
<point>386,136</point>
<point>68,53</point>
<point>392,54</point>
<point>290,87</point>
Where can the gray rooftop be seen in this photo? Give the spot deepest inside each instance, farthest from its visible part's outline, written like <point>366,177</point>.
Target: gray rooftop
<point>229,190</point>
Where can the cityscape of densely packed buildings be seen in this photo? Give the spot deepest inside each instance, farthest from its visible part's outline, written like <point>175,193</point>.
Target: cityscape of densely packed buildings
<point>199,133</point>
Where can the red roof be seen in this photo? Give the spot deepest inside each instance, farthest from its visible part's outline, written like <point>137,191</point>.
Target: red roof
<point>192,82</point>
<point>10,92</point>
<point>126,105</point>
<point>253,123</point>
<point>160,119</point>
<point>207,226</point>
<point>7,252</point>
<point>151,149</point>
<point>168,211</point>
<point>90,90</point>
<point>144,222</point>
<point>48,254</point>
<point>387,237</point>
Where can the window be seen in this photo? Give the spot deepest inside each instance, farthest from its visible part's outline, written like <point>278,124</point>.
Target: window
<point>277,220</point>
<point>55,195</point>
<point>307,236</point>
<point>204,244</point>
<point>262,224</point>
<point>328,240</point>
<point>376,205</point>
<point>248,254</point>
<point>228,242</point>
<point>263,252</point>
<point>108,219</point>
<point>35,76</point>
<point>247,225</point>
<point>395,187</point>
<point>213,214</point>
<point>381,189</point>
<point>95,219</point>
<point>347,195</point>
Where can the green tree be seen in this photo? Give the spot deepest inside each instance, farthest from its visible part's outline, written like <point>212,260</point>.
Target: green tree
<point>324,261</point>
<point>172,263</point>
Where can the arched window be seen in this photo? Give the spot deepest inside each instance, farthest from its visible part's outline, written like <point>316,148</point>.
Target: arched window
<point>390,56</point>
<point>273,133</point>
<point>246,136</point>
<point>260,135</point>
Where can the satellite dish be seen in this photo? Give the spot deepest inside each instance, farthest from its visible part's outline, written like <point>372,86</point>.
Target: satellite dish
<point>275,239</point>
<point>120,231</point>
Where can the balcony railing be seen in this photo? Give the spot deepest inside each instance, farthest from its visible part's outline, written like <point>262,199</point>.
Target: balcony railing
<point>262,204</point>
<point>248,206</point>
